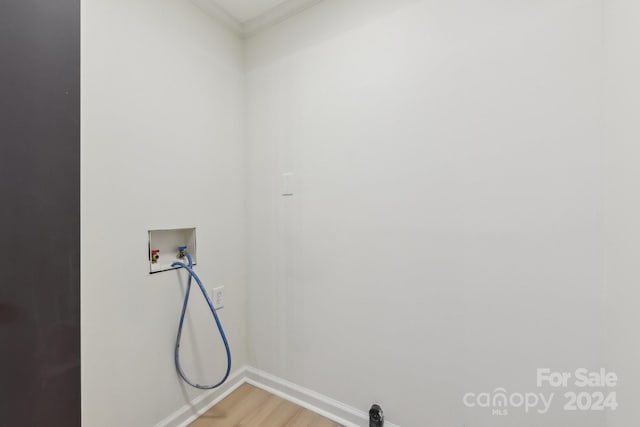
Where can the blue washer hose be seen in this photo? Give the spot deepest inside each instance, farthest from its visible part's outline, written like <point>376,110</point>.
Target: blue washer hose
<point>193,275</point>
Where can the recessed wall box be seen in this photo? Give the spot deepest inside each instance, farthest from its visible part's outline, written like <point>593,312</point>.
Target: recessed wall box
<point>164,248</point>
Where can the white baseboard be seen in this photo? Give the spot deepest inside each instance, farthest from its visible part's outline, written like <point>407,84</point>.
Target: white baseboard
<point>198,406</point>
<point>332,409</point>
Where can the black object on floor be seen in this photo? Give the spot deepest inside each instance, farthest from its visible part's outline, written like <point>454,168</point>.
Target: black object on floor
<point>376,416</point>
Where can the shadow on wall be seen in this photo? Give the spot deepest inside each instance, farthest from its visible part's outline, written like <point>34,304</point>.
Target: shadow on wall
<point>313,28</point>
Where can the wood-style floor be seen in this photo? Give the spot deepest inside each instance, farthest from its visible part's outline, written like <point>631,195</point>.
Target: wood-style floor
<point>249,406</point>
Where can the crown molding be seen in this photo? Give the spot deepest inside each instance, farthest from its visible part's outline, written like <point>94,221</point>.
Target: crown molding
<point>211,8</point>
<point>278,14</point>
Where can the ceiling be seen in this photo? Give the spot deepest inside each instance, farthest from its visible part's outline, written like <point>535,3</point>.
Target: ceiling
<point>248,17</point>
<point>246,10</point>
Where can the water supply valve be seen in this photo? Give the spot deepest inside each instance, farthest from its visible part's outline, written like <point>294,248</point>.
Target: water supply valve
<point>155,255</point>
<point>182,252</point>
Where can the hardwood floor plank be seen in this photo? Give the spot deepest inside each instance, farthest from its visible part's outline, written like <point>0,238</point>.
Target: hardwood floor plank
<point>223,415</point>
<point>283,413</point>
<point>261,414</point>
<point>305,418</point>
<point>249,406</point>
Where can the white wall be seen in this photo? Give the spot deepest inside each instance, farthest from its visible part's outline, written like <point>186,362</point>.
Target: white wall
<point>453,196</point>
<point>162,113</point>
<point>623,200</point>
<point>447,230</point>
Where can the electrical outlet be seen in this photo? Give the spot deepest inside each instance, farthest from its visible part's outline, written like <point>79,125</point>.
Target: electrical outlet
<point>218,297</point>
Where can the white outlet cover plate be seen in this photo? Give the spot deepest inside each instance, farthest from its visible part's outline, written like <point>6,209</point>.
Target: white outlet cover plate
<point>218,298</point>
